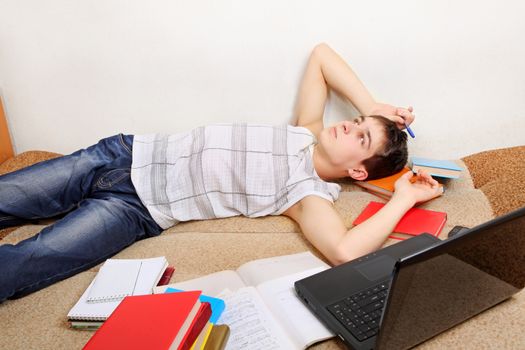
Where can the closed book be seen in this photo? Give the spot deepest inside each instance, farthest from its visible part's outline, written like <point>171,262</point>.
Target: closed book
<point>383,187</point>
<point>415,222</point>
<point>155,321</point>
<point>217,304</point>
<point>166,276</point>
<point>436,167</point>
<point>202,338</point>
<point>218,337</point>
<point>197,326</point>
<point>217,307</point>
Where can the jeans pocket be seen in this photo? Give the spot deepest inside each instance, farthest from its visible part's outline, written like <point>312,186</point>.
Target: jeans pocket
<point>112,178</point>
<point>124,139</point>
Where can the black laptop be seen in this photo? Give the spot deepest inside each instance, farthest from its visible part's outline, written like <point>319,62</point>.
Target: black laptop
<point>411,291</point>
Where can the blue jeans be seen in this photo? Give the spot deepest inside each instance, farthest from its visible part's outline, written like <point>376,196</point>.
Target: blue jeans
<point>98,208</point>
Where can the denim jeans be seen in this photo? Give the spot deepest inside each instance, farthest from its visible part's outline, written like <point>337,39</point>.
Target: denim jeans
<point>98,208</point>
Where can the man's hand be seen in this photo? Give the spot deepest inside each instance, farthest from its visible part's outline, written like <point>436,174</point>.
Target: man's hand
<point>398,115</point>
<point>422,189</point>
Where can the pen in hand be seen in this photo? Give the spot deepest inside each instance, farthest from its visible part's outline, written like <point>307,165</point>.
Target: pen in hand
<point>410,132</point>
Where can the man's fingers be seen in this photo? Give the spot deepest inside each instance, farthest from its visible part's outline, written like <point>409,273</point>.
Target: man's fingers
<point>425,177</point>
<point>406,115</point>
<point>407,175</point>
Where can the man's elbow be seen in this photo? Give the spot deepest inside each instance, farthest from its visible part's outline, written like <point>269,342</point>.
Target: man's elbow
<point>340,255</point>
<point>320,50</point>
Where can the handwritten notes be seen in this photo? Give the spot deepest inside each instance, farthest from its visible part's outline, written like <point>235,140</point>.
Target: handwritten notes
<point>251,325</point>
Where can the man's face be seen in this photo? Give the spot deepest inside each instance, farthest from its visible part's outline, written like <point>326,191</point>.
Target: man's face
<point>348,143</point>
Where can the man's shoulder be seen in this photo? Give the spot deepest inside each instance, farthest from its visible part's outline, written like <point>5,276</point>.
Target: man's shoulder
<point>308,204</point>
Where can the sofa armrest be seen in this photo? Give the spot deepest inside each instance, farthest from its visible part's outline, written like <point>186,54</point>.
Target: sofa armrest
<point>6,147</point>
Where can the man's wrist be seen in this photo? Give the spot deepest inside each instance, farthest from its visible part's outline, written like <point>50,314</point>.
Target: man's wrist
<point>370,109</point>
<point>402,201</point>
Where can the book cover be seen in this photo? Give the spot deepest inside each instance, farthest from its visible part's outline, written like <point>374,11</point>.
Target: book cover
<point>436,167</point>
<point>155,321</point>
<point>217,307</point>
<point>217,304</point>
<point>436,163</point>
<point>118,278</point>
<point>414,222</point>
<point>218,337</point>
<point>383,186</point>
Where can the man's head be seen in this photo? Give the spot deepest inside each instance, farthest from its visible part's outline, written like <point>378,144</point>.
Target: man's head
<point>365,148</point>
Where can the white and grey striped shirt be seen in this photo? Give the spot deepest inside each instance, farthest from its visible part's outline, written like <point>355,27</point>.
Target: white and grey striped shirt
<point>226,170</point>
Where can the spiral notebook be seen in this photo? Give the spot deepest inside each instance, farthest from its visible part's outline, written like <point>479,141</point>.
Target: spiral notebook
<point>116,279</point>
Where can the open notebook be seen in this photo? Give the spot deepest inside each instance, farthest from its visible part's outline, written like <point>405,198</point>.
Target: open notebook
<point>116,279</point>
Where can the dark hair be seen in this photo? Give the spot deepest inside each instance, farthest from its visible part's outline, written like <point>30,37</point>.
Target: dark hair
<point>390,158</point>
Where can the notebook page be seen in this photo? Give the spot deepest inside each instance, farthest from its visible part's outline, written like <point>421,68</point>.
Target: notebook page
<point>150,273</point>
<point>301,324</point>
<point>119,278</point>
<point>251,324</point>
<point>115,280</point>
<point>83,310</point>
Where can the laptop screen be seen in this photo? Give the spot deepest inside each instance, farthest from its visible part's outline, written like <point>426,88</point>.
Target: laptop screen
<point>447,284</point>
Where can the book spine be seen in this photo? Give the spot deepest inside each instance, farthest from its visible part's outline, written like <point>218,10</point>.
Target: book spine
<point>438,231</point>
<point>200,320</point>
<point>166,276</point>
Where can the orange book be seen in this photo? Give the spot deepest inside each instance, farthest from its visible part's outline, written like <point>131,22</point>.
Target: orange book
<point>154,321</point>
<point>383,187</point>
<point>415,222</point>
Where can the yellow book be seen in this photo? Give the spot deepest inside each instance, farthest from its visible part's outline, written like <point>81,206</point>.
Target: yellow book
<point>203,337</point>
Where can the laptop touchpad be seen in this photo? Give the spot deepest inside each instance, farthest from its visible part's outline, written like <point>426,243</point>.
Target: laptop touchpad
<point>376,268</point>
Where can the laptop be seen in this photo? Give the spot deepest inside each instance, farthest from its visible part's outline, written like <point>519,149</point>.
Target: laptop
<point>408,292</point>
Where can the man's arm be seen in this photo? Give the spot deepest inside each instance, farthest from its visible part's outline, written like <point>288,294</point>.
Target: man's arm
<point>326,69</point>
<point>324,228</point>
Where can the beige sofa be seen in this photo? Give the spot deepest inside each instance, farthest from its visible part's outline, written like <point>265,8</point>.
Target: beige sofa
<point>38,321</point>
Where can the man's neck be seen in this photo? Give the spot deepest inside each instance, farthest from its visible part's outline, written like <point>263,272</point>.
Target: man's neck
<point>323,168</point>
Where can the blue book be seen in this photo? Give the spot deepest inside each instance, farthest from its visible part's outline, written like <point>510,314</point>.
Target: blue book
<point>436,167</point>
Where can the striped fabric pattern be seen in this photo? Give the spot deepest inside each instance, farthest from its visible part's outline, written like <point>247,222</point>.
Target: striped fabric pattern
<point>225,170</point>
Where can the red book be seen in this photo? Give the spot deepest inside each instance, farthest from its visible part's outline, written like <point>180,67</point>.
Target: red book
<point>154,321</point>
<point>199,322</point>
<point>166,276</point>
<point>415,222</point>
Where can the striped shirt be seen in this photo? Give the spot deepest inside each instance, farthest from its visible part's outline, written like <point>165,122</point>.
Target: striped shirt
<point>226,170</point>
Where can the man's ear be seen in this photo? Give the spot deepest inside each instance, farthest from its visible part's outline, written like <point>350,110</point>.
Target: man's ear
<point>359,174</point>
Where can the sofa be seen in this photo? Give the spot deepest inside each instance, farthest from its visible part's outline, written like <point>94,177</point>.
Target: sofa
<point>491,184</point>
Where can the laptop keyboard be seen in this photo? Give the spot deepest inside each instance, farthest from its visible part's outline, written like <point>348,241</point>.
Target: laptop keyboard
<point>360,313</point>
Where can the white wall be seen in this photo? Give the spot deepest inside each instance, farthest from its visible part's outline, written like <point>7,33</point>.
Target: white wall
<point>72,72</point>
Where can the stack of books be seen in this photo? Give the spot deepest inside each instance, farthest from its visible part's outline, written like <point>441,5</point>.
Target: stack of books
<point>441,169</point>
<point>120,305</point>
<point>155,321</point>
<point>212,336</point>
<point>436,168</point>
<point>384,187</point>
<point>262,309</point>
